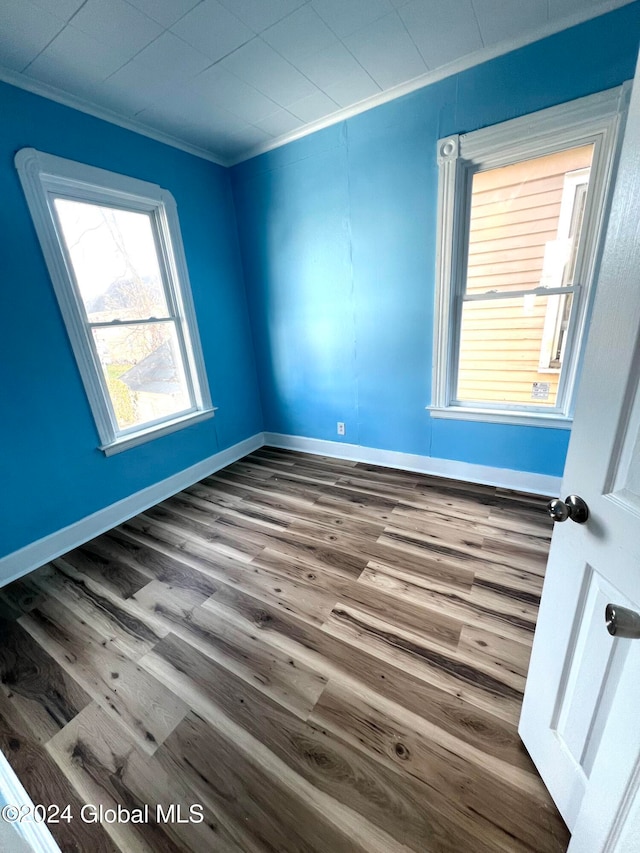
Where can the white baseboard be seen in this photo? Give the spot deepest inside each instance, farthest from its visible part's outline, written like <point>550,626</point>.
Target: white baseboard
<point>32,556</point>
<point>21,562</point>
<point>522,481</point>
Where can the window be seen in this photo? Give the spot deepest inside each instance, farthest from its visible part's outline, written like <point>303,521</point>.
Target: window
<point>521,210</point>
<point>114,252</point>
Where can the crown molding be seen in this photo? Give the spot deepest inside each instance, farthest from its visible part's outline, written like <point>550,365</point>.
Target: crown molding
<point>463,64</point>
<point>36,87</point>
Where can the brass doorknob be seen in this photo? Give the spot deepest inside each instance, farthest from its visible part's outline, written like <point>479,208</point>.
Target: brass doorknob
<point>572,507</point>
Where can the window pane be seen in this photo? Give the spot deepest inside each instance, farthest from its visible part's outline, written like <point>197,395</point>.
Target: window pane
<point>144,372</point>
<point>511,350</point>
<point>114,259</point>
<point>526,221</point>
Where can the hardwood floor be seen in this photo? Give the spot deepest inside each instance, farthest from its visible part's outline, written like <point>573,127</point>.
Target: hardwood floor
<point>323,655</point>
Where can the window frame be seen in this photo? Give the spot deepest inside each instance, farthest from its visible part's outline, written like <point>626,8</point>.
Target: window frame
<point>574,182</point>
<point>46,177</point>
<point>596,119</point>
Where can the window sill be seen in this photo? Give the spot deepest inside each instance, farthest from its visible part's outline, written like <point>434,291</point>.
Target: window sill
<point>126,442</point>
<point>537,419</point>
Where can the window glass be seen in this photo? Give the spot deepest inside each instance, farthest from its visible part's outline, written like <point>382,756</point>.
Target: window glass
<point>113,248</point>
<point>524,233</point>
<point>144,372</point>
<point>116,267</point>
<point>114,259</point>
<point>500,351</point>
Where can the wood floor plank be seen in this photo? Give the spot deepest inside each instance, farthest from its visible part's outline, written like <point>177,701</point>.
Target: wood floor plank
<point>20,597</point>
<point>35,685</point>
<point>242,510</point>
<point>160,566</point>
<point>479,735</point>
<point>276,586</point>
<point>282,676</point>
<point>107,771</point>
<point>260,790</point>
<point>268,509</point>
<point>502,655</point>
<point>329,656</point>
<point>115,620</point>
<point>209,532</point>
<point>474,608</point>
<point>469,552</point>
<point>116,683</point>
<point>48,785</point>
<point>104,560</point>
<point>392,739</point>
<point>381,794</point>
<point>438,627</point>
<point>438,577</point>
<point>441,668</point>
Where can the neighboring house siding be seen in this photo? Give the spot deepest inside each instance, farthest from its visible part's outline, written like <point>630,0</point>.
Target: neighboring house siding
<point>515,213</point>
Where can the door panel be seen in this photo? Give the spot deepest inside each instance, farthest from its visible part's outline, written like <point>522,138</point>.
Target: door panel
<point>592,672</point>
<point>582,699</point>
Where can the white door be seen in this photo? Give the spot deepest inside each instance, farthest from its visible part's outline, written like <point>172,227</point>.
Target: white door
<point>581,714</point>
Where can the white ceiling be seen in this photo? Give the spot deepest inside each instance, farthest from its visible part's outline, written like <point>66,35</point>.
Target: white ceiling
<point>230,78</point>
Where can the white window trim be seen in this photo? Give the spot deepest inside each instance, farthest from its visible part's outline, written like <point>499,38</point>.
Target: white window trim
<point>597,119</point>
<point>572,182</point>
<point>44,176</point>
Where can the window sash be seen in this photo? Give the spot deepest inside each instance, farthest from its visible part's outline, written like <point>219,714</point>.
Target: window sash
<point>192,407</point>
<point>532,407</point>
<point>594,120</point>
<point>169,290</point>
<point>492,295</point>
<point>168,287</point>
<point>46,177</point>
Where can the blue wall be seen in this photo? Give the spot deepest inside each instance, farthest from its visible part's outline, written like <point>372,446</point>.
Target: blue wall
<point>51,472</point>
<point>338,239</point>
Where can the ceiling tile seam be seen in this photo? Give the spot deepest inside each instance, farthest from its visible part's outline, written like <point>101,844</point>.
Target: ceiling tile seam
<point>250,86</point>
<point>148,17</point>
<point>276,105</point>
<point>180,38</point>
<point>299,70</point>
<point>131,58</point>
<point>355,58</point>
<point>190,79</point>
<point>477,20</point>
<point>284,58</point>
<point>120,67</point>
<point>257,126</point>
<point>413,41</point>
<point>455,67</point>
<point>359,29</point>
<point>53,38</point>
<point>284,18</point>
<point>42,50</point>
<point>139,11</point>
<point>165,28</point>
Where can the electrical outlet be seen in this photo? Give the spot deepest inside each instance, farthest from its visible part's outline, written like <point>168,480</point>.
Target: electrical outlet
<point>341,430</point>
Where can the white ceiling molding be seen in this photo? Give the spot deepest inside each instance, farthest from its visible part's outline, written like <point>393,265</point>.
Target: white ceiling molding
<point>462,64</point>
<point>30,84</point>
<point>204,111</point>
